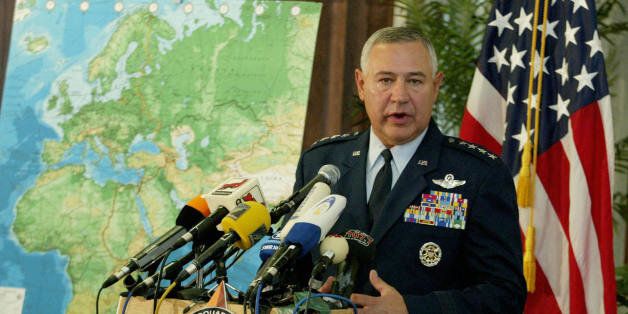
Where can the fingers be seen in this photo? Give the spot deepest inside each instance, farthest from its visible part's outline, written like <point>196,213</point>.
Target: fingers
<point>377,282</point>
<point>326,287</point>
<point>363,299</point>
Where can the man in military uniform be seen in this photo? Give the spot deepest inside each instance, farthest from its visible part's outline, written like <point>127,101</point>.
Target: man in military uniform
<point>442,212</point>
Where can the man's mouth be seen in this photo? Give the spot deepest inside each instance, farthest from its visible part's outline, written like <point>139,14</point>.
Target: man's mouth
<point>397,117</point>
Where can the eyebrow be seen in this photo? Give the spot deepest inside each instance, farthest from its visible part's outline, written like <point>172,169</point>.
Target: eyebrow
<point>417,73</point>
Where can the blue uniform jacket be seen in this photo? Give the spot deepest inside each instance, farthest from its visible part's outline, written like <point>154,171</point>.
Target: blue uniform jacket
<point>480,267</point>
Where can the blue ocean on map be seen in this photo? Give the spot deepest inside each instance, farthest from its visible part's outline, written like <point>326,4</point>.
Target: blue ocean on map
<point>23,135</point>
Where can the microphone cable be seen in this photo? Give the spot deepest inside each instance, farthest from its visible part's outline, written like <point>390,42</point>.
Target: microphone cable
<point>98,298</point>
<point>323,295</point>
<point>163,297</point>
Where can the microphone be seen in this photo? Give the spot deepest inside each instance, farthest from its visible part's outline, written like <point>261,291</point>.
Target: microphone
<point>170,270</point>
<point>269,247</point>
<point>190,214</point>
<point>244,226</point>
<point>361,253</point>
<point>319,191</point>
<point>235,191</point>
<point>333,250</point>
<point>192,217</point>
<point>227,195</point>
<point>329,174</point>
<point>308,231</point>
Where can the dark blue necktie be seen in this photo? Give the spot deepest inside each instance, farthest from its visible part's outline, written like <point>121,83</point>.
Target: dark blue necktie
<point>381,188</point>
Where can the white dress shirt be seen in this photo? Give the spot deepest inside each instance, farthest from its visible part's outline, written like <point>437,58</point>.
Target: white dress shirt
<point>401,156</point>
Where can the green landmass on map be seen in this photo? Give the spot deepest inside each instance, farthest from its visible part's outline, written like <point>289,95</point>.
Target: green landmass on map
<point>36,44</point>
<point>234,94</point>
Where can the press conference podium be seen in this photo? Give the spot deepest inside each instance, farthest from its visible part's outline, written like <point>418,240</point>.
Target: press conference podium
<point>140,305</point>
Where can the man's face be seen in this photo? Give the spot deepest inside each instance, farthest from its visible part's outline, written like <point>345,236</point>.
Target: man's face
<point>398,90</point>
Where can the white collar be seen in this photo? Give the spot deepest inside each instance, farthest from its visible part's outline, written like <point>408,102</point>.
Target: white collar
<point>401,153</point>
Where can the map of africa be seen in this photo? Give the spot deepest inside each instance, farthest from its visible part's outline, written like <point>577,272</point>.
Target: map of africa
<point>116,113</point>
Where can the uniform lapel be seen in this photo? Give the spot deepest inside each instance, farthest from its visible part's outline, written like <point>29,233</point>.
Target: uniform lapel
<point>352,186</point>
<point>411,182</point>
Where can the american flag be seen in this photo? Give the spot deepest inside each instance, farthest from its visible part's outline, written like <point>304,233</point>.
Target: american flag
<point>574,171</point>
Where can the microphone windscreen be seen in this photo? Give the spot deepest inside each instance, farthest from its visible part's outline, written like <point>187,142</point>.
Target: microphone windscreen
<point>319,191</point>
<point>235,191</point>
<point>247,219</point>
<point>336,244</point>
<point>361,246</point>
<point>305,234</point>
<point>269,247</point>
<point>193,212</point>
<point>325,213</point>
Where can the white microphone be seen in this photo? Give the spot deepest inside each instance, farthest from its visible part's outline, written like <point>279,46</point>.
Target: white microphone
<point>306,232</point>
<point>319,191</point>
<point>333,249</point>
<point>327,173</point>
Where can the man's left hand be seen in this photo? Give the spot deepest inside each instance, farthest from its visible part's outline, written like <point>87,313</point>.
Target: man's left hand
<point>389,300</point>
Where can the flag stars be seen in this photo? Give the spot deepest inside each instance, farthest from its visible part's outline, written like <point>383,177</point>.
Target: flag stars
<point>595,44</point>
<point>537,64</point>
<point>533,97</point>
<point>501,22</point>
<point>522,137</point>
<point>560,107</point>
<point>511,92</point>
<point>570,34</point>
<point>524,21</point>
<point>585,78</point>
<point>516,58</point>
<point>499,58</point>
<point>577,4</point>
<point>563,72</point>
<point>550,29</point>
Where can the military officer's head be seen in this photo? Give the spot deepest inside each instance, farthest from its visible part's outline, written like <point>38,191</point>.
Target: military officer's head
<point>398,82</point>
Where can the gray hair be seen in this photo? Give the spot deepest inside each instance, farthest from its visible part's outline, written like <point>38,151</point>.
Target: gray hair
<point>389,35</point>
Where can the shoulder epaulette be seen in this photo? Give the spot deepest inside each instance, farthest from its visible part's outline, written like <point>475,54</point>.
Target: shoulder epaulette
<point>471,148</point>
<point>334,139</point>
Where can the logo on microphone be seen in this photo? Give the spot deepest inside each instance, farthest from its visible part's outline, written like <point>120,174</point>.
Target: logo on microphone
<point>324,206</point>
<point>359,236</point>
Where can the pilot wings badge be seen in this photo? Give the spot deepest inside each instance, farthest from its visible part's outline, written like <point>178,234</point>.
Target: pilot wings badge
<point>448,182</point>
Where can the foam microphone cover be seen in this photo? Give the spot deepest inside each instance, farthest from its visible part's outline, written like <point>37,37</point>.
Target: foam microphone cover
<point>248,219</point>
<point>336,244</point>
<point>319,191</point>
<point>361,245</point>
<point>193,212</point>
<point>304,234</point>
<point>269,247</point>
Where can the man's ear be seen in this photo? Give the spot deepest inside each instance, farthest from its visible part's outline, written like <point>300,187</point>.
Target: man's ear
<point>438,79</point>
<point>359,83</point>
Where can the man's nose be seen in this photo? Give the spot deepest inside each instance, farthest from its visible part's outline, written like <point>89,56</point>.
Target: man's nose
<point>400,92</point>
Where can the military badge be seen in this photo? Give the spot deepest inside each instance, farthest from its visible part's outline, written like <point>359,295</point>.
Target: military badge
<point>430,254</point>
<point>449,182</point>
<point>439,209</point>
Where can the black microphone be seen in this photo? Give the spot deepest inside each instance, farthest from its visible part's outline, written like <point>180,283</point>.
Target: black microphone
<point>329,174</point>
<point>207,228</point>
<point>170,270</point>
<point>245,225</point>
<point>361,254</point>
<point>193,212</point>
